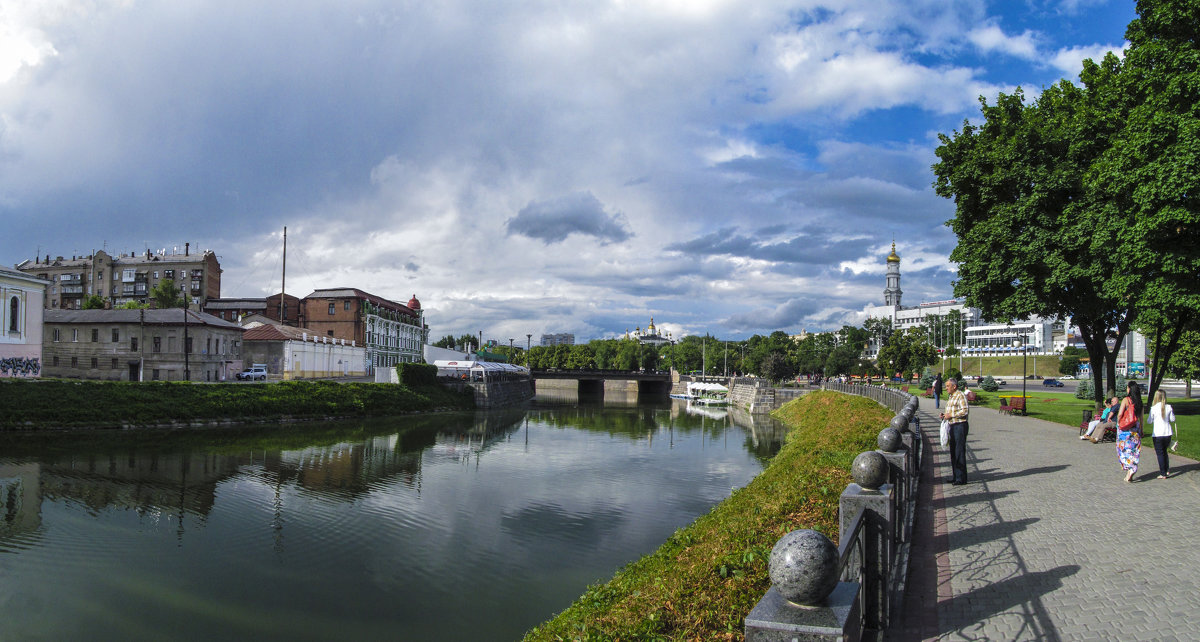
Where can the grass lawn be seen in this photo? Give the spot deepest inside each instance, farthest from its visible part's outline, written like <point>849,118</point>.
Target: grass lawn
<point>1064,408</point>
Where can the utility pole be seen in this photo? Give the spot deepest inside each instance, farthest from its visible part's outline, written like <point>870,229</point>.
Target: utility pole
<point>187,370</point>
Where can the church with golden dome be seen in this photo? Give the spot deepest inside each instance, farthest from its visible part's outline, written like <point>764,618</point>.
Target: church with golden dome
<point>651,336</point>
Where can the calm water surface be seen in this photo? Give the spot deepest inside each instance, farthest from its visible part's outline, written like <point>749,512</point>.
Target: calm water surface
<point>454,527</point>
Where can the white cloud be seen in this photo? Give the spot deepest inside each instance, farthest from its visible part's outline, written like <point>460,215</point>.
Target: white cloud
<point>991,39</point>
<point>1070,60</point>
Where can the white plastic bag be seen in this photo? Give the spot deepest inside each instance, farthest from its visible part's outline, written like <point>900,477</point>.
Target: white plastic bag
<point>945,434</point>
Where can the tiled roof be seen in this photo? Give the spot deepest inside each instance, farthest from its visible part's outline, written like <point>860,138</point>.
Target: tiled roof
<point>269,332</point>
<point>169,316</point>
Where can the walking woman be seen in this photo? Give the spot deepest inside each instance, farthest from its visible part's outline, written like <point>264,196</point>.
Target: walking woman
<point>1162,417</point>
<point>1129,430</point>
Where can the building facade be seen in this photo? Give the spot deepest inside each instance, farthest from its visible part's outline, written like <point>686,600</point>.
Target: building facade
<point>563,338</point>
<point>292,353</point>
<point>124,278</point>
<point>278,308</point>
<point>21,301</point>
<point>140,345</point>
<point>390,332</point>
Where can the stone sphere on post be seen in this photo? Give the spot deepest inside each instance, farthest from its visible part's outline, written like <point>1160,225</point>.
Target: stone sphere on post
<point>899,422</point>
<point>889,440</point>
<point>869,470</point>
<point>804,567</point>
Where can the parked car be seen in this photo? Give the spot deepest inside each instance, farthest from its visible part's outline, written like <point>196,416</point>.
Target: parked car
<point>256,372</point>
<point>1052,383</point>
<point>1067,377</point>
<point>999,381</point>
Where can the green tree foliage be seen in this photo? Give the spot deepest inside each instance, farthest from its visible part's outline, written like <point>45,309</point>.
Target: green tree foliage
<point>93,302</point>
<point>132,305</point>
<point>1035,236</point>
<point>166,295</point>
<point>906,352</point>
<point>989,384</point>
<point>580,357</point>
<point>1185,363</point>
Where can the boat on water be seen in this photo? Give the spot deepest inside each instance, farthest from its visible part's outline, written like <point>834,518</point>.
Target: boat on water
<point>708,394</point>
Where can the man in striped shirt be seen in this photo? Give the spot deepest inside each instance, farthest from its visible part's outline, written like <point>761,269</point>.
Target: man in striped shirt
<point>956,413</point>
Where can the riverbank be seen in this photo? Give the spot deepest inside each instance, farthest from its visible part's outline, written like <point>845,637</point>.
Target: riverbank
<point>41,404</point>
<point>703,581</point>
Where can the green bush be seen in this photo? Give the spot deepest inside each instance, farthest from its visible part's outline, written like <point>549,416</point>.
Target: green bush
<point>927,377</point>
<point>416,374</point>
<point>1084,391</point>
<point>989,384</point>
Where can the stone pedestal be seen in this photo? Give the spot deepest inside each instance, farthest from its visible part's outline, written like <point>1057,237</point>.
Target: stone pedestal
<point>775,619</point>
<point>877,548</point>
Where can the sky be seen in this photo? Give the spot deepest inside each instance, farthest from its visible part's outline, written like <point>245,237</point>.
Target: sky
<point>725,167</point>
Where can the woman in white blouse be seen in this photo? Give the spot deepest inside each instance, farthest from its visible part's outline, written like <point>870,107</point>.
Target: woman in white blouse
<point>1162,417</point>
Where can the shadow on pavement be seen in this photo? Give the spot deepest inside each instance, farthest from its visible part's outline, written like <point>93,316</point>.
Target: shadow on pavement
<point>988,532</point>
<point>962,611</point>
<point>959,499</point>
<point>988,475</point>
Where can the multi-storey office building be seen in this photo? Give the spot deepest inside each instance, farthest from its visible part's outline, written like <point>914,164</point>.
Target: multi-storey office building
<point>20,323</point>
<point>140,345</point>
<point>391,332</point>
<point>122,278</point>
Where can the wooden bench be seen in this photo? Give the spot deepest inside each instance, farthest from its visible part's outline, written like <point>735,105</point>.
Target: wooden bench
<point>1018,404</point>
<point>971,397</point>
<point>1005,408</point>
<point>903,388</point>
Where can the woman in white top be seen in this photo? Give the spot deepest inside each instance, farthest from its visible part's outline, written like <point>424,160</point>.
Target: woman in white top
<point>1162,417</point>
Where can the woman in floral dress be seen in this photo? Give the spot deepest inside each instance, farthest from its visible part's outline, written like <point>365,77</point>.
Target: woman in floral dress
<point>1129,430</point>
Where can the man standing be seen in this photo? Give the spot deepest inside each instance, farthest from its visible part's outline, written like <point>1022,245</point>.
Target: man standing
<point>937,391</point>
<point>956,414</point>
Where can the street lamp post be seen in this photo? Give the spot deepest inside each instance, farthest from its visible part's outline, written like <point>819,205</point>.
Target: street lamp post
<point>528,340</point>
<point>1020,341</point>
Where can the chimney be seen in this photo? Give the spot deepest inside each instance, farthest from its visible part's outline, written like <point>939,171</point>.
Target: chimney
<point>186,247</point>
<point>147,254</point>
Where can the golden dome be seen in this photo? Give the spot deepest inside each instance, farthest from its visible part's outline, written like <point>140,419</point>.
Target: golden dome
<point>650,328</point>
<point>893,257</point>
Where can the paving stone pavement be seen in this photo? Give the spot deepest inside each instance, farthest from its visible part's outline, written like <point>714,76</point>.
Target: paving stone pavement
<point>1048,542</point>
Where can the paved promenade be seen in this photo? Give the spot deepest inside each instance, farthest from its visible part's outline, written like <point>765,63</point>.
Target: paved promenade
<point>1047,542</point>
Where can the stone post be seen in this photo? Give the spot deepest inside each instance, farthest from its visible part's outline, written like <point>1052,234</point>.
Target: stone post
<point>872,496</point>
<point>806,602</point>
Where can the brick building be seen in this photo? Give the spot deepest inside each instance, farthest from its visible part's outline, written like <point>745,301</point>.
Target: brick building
<point>391,332</point>
<point>268,308</point>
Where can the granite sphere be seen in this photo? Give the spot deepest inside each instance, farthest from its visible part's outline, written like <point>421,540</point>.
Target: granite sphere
<point>899,422</point>
<point>889,440</point>
<point>804,567</point>
<point>869,470</point>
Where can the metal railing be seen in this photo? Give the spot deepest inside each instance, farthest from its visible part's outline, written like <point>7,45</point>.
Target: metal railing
<point>876,517</point>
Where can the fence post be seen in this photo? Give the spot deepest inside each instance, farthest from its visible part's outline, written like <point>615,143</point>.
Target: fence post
<point>873,496</point>
<point>806,601</point>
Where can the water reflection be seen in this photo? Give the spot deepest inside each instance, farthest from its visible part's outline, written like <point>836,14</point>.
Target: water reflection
<point>355,529</point>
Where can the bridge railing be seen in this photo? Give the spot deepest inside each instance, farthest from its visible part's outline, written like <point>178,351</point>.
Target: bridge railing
<point>851,591</point>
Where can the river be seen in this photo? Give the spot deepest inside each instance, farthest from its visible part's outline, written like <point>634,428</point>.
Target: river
<point>447,527</point>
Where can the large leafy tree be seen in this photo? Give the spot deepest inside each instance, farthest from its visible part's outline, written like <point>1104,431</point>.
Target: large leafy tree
<point>1152,172</point>
<point>1036,237</point>
<point>166,295</point>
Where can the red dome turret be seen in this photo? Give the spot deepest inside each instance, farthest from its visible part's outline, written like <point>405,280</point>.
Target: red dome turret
<point>413,303</point>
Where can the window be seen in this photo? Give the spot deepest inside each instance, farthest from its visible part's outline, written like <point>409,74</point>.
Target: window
<point>154,374</point>
<point>14,315</point>
<point>157,344</point>
<point>74,362</point>
<point>331,308</point>
<point>208,346</point>
<point>346,305</point>
<point>57,335</point>
<point>74,334</point>
<point>156,274</point>
<point>116,335</point>
<point>56,360</point>
<point>114,363</point>
<point>133,344</point>
<point>95,335</point>
<point>168,274</point>
<point>170,344</point>
<point>95,362</point>
<point>330,333</point>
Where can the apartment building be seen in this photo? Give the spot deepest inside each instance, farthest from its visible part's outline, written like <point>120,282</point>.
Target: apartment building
<point>391,332</point>
<point>123,278</point>
<point>140,345</point>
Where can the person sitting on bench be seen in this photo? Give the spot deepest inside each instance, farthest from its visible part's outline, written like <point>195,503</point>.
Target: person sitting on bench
<point>1105,419</point>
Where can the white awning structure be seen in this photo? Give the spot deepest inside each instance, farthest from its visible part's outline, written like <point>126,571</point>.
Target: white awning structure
<point>484,369</point>
<point>696,386</point>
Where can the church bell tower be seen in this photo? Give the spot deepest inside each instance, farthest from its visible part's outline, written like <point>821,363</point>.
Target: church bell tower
<point>891,294</point>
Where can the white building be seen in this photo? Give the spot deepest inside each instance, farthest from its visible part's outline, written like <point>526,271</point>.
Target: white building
<point>22,298</point>
<point>903,318</point>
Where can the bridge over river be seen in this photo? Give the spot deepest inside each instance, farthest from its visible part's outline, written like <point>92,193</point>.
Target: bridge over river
<point>595,382</point>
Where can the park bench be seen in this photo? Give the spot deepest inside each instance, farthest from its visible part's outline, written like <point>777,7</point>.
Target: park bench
<point>1018,404</point>
<point>1005,407</point>
<point>971,397</point>
<point>1110,433</point>
<point>903,388</point>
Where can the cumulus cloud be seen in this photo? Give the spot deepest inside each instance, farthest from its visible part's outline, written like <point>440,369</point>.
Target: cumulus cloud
<point>991,38</point>
<point>553,220</point>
